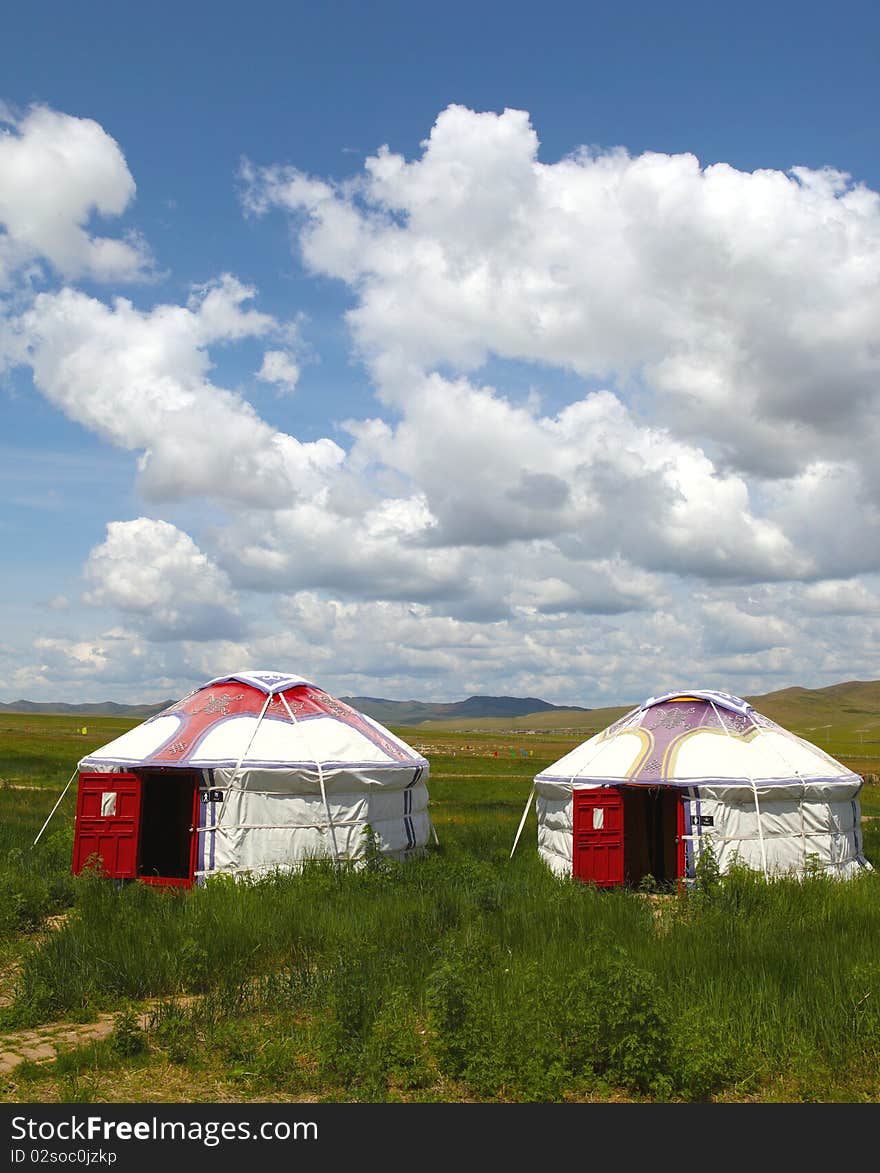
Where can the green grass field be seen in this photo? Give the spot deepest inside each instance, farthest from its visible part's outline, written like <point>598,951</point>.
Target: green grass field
<point>463,976</point>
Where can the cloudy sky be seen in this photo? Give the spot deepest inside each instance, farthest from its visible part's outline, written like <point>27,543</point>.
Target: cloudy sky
<point>424,352</point>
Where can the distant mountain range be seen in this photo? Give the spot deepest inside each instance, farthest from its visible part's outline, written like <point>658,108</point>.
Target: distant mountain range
<point>852,707</point>
<point>415,712</point>
<point>98,709</point>
<point>388,712</point>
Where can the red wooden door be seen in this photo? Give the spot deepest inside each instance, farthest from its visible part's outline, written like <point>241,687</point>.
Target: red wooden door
<point>598,836</point>
<point>108,810</point>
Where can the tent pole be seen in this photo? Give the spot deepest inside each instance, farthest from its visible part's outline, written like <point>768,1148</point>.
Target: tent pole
<point>593,754</point>
<point>237,769</point>
<point>754,795</point>
<point>760,829</point>
<point>522,821</point>
<point>55,807</point>
<point>797,774</point>
<point>320,781</point>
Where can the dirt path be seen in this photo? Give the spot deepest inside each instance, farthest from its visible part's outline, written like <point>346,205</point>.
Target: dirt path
<point>42,1044</point>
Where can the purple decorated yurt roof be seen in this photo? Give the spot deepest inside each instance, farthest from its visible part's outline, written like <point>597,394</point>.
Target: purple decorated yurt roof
<point>721,700</point>
<point>692,738</point>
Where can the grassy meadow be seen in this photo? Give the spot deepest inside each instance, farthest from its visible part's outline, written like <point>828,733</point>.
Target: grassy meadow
<point>462,976</point>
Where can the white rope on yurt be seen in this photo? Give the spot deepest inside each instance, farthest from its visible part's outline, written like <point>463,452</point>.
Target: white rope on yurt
<point>320,778</point>
<point>803,794</point>
<point>237,769</point>
<point>55,807</point>
<point>755,795</point>
<point>797,773</point>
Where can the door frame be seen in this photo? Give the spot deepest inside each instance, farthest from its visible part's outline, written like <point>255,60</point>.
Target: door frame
<point>178,881</point>
<point>127,826</point>
<point>588,842</point>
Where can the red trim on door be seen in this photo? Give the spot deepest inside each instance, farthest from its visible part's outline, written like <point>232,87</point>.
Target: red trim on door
<point>680,842</point>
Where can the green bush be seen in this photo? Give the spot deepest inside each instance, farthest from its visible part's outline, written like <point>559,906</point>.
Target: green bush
<point>174,1030</point>
<point>396,1051</point>
<point>128,1037</point>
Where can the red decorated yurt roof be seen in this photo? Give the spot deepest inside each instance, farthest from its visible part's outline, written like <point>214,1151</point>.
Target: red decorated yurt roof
<point>257,720</point>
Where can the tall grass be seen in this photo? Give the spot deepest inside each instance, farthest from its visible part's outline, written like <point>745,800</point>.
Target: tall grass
<point>464,975</point>
<point>33,884</point>
<point>500,980</point>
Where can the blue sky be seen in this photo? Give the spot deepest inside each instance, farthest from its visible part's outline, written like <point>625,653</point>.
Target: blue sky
<point>568,391</point>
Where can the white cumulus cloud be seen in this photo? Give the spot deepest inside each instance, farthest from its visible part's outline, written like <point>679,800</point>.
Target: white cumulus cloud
<point>155,573</point>
<point>56,173</point>
<point>279,368</point>
<point>746,304</point>
<point>625,426</point>
<point>141,380</point>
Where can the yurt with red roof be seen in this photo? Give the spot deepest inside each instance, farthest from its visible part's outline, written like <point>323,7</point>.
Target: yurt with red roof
<point>646,795</point>
<point>249,773</point>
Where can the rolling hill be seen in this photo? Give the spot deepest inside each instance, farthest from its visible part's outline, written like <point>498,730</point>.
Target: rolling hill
<point>823,715</point>
<point>474,708</point>
<point>850,709</point>
<point>380,709</point>
<point>85,709</point>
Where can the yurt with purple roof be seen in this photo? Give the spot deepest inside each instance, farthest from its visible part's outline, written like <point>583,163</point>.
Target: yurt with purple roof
<point>249,773</point>
<point>686,769</point>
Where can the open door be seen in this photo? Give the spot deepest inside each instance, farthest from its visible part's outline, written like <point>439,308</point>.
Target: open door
<point>169,827</point>
<point>624,833</point>
<point>598,836</point>
<point>652,840</point>
<point>143,826</point>
<point>108,808</point>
